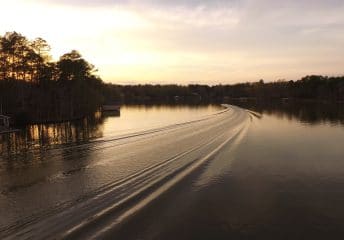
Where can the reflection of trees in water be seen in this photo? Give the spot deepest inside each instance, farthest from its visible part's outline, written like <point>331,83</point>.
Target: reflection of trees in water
<point>308,112</point>
<point>45,135</point>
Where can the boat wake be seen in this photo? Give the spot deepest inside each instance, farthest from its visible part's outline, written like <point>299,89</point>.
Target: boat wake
<point>92,214</point>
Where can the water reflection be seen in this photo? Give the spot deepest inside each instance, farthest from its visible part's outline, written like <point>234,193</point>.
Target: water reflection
<point>46,135</point>
<point>103,125</point>
<point>284,178</point>
<point>137,117</point>
<point>306,112</point>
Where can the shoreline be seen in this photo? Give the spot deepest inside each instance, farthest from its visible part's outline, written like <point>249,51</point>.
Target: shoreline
<point>228,100</point>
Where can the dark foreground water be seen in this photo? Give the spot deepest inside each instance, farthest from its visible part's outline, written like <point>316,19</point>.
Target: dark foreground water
<point>275,173</point>
<point>285,180</point>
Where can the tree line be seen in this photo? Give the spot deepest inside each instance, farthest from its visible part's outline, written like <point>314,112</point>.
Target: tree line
<point>312,87</point>
<point>34,88</point>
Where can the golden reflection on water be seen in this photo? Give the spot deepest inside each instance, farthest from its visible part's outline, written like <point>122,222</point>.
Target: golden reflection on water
<point>107,124</point>
<point>44,135</point>
<point>139,117</point>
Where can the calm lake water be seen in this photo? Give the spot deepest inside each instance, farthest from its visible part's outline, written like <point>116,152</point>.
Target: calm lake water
<point>282,179</point>
<point>132,118</point>
<point>285,180</point>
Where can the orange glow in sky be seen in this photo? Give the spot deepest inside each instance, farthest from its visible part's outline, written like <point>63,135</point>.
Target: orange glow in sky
<point>211,42</point>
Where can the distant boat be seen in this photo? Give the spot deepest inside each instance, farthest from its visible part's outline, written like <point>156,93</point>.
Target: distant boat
<point>109,107</point>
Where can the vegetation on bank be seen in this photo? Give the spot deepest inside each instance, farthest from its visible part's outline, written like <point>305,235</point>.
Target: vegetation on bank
<point>308,88</point>
<point>34,88</point>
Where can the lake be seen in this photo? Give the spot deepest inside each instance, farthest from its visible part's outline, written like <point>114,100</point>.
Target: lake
<point>106,125</point>
<point>279,173</point>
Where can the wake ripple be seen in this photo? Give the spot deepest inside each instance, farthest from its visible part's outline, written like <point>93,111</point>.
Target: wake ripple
<point>106,209</point>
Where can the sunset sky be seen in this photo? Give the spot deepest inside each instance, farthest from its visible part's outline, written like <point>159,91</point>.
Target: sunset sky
<point>194,41</point>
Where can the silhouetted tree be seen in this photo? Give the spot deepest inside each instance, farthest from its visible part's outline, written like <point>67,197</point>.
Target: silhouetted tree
<point>35,88</point>
<point>73,67</point>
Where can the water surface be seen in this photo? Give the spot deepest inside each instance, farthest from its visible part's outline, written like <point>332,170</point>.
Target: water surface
<point>284,180</point>
<point>106,125</point>
<point>273,172</point>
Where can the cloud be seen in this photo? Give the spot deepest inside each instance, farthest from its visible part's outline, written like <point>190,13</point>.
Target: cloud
<point>148,3</point>
<point>190,40</point>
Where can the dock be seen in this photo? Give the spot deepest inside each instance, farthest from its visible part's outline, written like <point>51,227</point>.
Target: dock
<point>109,107</point>
<point>9,131</point>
